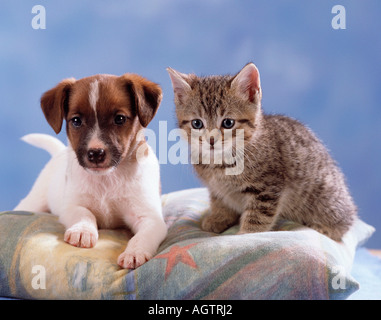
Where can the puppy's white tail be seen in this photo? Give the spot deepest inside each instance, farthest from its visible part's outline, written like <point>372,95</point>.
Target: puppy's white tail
<point>44,141</point>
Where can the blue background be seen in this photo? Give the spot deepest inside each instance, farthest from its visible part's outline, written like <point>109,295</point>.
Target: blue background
<point>329,79</point>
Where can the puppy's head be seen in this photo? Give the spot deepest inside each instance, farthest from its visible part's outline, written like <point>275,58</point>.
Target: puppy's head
<point>103,115</point>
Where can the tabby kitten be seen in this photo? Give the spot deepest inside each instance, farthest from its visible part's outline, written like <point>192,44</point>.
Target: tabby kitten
<point>286,171</point>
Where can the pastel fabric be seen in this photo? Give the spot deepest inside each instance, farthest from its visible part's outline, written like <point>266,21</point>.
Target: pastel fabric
<point>292,262</point>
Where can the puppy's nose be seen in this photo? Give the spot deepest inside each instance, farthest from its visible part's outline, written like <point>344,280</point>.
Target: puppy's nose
<point>96,155</point>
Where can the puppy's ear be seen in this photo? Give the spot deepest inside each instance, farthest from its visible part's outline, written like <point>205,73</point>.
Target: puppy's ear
<point>54,103</point>
<point>146,96</point>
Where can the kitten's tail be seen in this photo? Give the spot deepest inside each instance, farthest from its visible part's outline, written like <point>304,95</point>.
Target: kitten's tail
<point>44,141</point>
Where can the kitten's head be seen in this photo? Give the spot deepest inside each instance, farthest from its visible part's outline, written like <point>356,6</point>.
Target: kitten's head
<point>212,109</point>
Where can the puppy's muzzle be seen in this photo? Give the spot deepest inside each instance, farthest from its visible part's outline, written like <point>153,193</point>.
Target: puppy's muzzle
<point>96,156</point>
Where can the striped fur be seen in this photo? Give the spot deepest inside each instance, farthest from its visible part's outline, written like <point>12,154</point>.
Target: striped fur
<point>287,171</point>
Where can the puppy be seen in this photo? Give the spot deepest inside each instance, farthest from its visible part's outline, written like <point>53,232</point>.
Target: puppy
<point>107,176</point>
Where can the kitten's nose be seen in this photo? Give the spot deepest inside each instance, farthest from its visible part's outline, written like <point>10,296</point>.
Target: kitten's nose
<point>96,155</point>
<point>211,141</point>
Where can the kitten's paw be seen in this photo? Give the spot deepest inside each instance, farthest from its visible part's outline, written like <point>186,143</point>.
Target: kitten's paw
<point>249,231</point>
<point>84,237</point>
<point>252,228</point>
<point>132,259</point>
<point>211,224</point>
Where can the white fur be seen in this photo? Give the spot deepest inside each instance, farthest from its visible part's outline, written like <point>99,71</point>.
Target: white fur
<point>95,141</point>
<point>44,141</point>
<point>84,201</point>
<point>94,95</point>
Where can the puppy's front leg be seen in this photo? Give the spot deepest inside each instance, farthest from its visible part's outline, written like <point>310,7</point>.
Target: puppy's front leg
<point>149,233</point>
<point>81,227</point>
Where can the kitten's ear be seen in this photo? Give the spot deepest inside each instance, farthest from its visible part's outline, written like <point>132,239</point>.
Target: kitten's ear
<point>179,83</point>
<point>247,83</point>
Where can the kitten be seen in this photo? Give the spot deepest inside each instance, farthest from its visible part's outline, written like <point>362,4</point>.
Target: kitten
<point>286,171</point>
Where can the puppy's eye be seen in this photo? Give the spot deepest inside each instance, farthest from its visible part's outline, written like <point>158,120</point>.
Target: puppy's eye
<point>76,122</point>
<point>228,123</point>
<point>120,119</point>
<point>197,124</point>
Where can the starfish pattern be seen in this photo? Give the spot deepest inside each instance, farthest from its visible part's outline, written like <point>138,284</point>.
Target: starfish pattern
<point>176,255</point>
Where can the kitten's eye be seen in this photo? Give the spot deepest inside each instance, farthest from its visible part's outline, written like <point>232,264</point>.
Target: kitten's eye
<point>76,122</point>
<point>120,120</point>
<point>228,123</point>
<point>197,124</point>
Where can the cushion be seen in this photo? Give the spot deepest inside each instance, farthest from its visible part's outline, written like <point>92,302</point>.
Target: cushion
<point>292,262</point>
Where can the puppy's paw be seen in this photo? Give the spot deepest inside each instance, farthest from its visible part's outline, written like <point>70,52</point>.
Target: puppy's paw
<point>132,259</point>
<point>80,236</point>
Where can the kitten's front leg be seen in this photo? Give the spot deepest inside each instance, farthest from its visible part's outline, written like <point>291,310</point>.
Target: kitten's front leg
<point>220,217</point>
<point>260,213</point>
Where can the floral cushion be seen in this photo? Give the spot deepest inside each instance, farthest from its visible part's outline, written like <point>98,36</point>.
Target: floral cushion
<point>292,262</point>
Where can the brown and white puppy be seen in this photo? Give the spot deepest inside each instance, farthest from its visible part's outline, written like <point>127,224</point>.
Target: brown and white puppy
<point>107,176</point>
